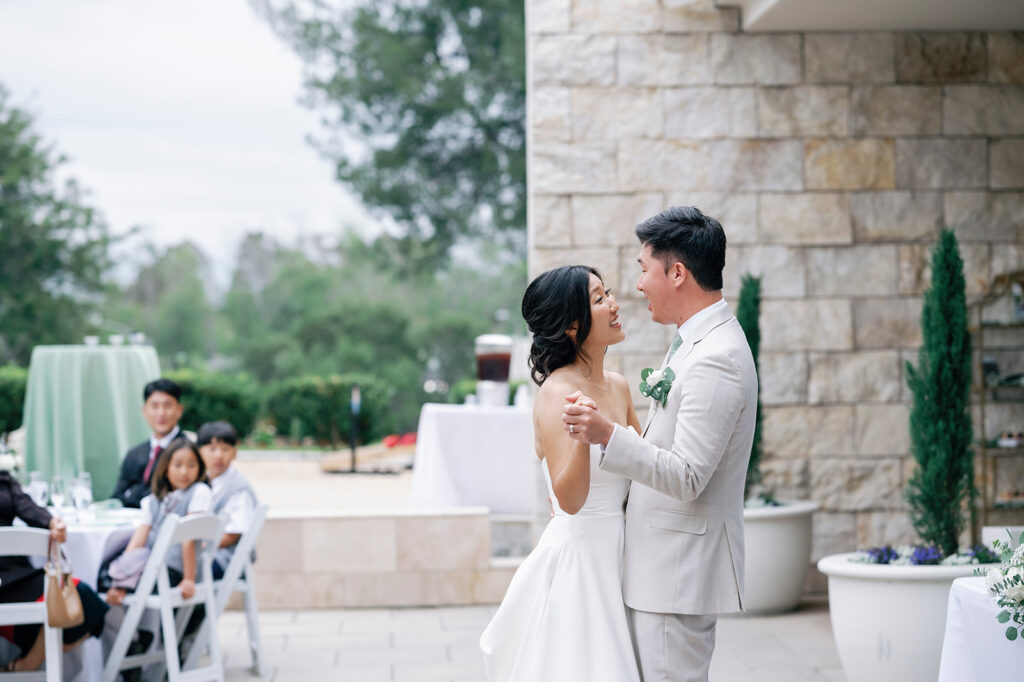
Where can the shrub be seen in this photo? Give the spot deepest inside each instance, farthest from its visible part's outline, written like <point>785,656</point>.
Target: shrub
<point>12,396</point>
<point>209,396</point>
<point>940,422</point>
<point>319,407</point>
<point>748,312</point>
<point>457,393</point>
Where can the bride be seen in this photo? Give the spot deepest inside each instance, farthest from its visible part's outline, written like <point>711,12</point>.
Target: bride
<point>563,617</point>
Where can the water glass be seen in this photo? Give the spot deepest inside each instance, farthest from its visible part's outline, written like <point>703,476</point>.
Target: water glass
<point>58,493</point>
<point>38,488</point>
<point>81,493</point>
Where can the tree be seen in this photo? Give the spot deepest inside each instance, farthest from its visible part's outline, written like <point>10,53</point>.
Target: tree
<point>748,313</point>
<point>169,301</point>
<point>54,250</point>
<point>940,423</point>
<point>424,106</point>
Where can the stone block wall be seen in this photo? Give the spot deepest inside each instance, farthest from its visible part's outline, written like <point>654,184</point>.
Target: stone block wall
<point>832,160</point>
<point>373,559</point>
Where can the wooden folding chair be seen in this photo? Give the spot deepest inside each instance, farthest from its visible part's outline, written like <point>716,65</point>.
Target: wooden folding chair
<point>31,542</point>
<point>238,577</point>
<point>175,530</point>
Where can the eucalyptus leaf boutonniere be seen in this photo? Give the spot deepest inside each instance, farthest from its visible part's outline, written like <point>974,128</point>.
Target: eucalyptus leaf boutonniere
<point>656,383</point>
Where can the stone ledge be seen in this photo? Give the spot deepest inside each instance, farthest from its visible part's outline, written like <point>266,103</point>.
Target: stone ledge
<point>386,558</point>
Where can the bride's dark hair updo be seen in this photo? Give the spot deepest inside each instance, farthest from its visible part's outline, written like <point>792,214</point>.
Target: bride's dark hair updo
<point>552,303</point>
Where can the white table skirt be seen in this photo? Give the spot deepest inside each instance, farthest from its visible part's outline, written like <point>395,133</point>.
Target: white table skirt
<point>84,548</point>
<point>975,648</point>
<point>470,456</point>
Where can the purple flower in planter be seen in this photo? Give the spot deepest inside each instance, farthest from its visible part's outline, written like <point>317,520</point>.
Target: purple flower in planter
<point>881,555</point>
<point>926,556</point>
<point>983,554</point>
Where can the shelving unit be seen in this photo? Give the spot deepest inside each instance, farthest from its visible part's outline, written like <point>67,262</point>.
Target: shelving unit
<point>1001,500</point>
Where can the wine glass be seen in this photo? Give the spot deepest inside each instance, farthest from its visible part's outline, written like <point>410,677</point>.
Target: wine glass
<point>57,493</point>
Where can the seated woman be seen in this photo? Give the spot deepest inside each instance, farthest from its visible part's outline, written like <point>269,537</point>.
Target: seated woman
<point>21,582</point>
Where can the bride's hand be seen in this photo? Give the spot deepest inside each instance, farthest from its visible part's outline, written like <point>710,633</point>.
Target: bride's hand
<point>584,400</point>
<point>579,398</point>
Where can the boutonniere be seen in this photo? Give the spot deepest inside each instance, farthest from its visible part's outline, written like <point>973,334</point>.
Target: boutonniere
<point>655,383</point>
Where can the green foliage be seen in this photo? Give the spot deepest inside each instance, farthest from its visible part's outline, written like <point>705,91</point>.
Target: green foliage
<point>940,423</point>
<point>748,314</point>
<point>319,407</point>
<point>289,314</point>
<point>12,397</point>
<point>435,95</point>
<point>211,396</point>
<point>458,392</point>
<point>55,248</point>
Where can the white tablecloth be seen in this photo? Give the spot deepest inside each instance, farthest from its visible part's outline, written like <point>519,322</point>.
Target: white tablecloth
<point>85,550</point>
<point>975,648</point>
<point>470,456</point>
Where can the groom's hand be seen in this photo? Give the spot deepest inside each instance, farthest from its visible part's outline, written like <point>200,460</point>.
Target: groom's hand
<point>584,422</point>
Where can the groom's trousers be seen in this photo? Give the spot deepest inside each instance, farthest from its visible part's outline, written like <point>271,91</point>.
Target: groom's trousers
<point>672,647</point>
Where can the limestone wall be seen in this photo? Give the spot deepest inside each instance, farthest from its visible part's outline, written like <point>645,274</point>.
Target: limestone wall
<point>832,160</point>
<point>401,557</point>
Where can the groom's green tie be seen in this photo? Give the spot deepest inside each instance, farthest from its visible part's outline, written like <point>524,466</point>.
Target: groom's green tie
<point>676,342</point>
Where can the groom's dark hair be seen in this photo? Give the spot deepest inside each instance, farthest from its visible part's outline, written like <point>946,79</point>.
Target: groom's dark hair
<point>684,234</point>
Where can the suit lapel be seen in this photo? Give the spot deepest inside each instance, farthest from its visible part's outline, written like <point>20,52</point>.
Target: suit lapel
<point>695,336</point>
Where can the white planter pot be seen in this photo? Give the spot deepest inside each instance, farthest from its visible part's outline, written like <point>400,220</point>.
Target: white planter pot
<point>777,551</point>
<point>888,621</point>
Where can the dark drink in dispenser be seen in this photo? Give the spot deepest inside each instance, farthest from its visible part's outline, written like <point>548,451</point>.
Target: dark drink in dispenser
<point>493,355</point>
<point>492,366</point>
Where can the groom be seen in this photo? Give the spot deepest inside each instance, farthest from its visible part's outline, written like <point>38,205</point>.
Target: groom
<point>684,518</point>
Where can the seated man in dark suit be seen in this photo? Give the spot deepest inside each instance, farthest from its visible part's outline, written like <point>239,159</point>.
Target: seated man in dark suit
<point>162,409</point>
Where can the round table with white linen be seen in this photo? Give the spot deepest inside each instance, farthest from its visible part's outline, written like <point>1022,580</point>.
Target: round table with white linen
<point>87,545</point>
<point>975,648</point>
<point>475,456</point>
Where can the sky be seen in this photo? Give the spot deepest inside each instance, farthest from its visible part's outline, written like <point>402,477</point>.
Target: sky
<point>181,117</point>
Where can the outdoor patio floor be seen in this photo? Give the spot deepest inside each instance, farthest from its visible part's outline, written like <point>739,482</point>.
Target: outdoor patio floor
<point>440,644</point>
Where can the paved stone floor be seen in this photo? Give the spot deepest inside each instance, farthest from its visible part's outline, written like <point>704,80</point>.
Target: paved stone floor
<point>440,644</point>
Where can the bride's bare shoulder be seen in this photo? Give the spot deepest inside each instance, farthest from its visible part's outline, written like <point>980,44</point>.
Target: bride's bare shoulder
<point>552,392</point>
<point>618,381</point>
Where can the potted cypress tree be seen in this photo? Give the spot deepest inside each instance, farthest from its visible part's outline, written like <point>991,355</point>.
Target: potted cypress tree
<point>888,605</point>
<point>776,533</point>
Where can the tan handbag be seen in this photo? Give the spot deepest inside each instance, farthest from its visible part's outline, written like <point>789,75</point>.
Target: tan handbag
<point>63,605</point>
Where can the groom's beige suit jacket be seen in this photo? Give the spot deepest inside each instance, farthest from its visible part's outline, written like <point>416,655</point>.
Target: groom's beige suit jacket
<point>684,516</point>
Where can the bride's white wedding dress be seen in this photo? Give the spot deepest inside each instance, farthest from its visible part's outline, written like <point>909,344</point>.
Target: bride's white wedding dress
<point>563,617</point>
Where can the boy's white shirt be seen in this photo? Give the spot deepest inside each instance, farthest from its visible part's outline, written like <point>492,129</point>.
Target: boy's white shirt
<point>237,511</point>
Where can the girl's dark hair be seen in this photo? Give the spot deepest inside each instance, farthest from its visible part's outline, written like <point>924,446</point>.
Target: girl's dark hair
<point>159,483</point>
<point>552,303</point>
<point>219,430</point>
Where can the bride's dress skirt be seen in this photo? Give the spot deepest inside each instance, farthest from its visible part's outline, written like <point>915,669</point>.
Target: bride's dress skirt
<point>563,617</point>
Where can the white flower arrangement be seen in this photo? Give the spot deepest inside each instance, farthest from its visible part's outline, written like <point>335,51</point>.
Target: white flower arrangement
<point>1006,585</point>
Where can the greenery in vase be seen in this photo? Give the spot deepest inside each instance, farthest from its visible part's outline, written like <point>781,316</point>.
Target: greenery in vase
<point>748,312</point>
<point>940,423</point>
<point>1006,585</point>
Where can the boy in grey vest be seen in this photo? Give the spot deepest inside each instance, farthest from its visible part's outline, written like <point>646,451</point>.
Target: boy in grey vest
<point>234,499</point>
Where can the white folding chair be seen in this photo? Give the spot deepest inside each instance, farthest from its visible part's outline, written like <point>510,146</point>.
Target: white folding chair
<point>175,530</point>
<point>238,577</point>
<point>31,542</point>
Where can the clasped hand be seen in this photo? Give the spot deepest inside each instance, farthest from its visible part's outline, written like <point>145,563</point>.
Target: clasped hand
<point>584,422</point>
<point>58,530</point>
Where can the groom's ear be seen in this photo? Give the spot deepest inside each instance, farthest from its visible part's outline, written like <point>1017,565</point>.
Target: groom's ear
<point>679,274</point>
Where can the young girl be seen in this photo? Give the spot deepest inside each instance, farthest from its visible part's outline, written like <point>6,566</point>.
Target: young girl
<point>179,487</point>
